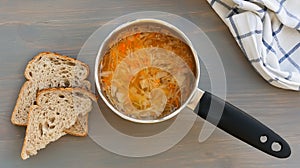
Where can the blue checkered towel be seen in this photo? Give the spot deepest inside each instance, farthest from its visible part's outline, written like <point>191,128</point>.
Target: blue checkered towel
<point>268,32</point>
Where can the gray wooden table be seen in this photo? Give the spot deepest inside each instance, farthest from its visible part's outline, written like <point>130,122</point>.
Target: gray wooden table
<point>27,28</point>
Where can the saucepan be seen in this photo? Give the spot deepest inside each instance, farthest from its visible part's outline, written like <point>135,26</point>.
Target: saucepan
<point>147,71</point>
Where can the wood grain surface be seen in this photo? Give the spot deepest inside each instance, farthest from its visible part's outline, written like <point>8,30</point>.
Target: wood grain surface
<point>28,27</point>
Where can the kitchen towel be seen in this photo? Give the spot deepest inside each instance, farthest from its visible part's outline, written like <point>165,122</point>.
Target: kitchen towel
<point>268,33</point>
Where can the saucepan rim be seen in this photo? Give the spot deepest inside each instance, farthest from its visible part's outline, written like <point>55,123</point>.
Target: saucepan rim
<point>166,25</point>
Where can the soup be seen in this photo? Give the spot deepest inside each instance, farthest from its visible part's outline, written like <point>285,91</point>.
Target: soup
<point>147,75</point>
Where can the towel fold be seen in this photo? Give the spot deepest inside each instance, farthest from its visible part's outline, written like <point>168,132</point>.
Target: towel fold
<point>268,33</point>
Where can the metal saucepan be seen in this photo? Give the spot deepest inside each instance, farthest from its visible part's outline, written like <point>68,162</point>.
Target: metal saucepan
<point>123,55</point>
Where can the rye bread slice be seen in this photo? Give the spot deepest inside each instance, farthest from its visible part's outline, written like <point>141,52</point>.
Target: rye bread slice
<point>51,70</point>
<point>57,109</point>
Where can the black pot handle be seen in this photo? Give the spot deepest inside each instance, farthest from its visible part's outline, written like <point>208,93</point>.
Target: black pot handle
<point>242,126</point>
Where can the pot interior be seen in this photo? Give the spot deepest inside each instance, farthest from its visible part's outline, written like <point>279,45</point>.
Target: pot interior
<point>147,70</point>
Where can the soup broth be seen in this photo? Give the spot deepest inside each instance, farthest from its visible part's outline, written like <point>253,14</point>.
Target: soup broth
<point>147,75</point>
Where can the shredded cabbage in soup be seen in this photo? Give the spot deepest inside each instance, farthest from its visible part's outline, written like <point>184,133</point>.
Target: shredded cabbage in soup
<point>147,75</point>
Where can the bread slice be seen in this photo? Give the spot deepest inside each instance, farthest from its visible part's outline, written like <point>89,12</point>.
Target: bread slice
<point>49,70</point>
<point>57,109</point>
